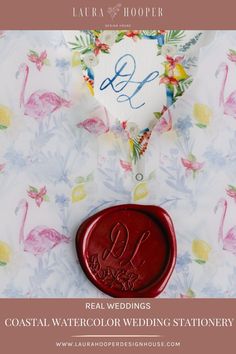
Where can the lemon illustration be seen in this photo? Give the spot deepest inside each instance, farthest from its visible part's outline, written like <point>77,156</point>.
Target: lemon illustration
<point>202,113</point>
<point>75,60</point>
<point>180,73</point>
<point>78,193</point>
<point>190,293</point>
<point>201,250</point>
<point>131,144</point>
<point>90,87</point>
<point>5,253</point>
<point>140,191</point>
<point>5,117</point>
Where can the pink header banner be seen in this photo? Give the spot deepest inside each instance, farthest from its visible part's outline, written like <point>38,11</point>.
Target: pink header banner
<point>101,14</point>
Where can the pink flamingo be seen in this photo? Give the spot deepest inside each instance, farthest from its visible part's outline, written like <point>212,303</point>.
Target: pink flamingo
<point>230,103</point>
<point>96,125</point>
<point>40,239</point>
<point>40,103</point>
<point>229,240</point>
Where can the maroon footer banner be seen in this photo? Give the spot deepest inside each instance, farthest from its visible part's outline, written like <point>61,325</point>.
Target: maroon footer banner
<point>115,326</point>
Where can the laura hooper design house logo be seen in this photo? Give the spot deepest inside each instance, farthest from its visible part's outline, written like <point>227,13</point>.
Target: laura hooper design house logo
<point>113,11</point>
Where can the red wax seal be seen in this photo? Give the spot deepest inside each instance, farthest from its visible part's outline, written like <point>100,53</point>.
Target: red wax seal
<point>128,250</point>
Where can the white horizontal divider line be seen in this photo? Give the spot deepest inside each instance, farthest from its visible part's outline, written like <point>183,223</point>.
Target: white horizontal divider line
<point>116,335</point>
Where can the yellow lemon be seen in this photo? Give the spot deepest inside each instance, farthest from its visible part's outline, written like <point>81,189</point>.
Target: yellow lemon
<point>90,87</point>
<point>140,191</point>
<point>190,293</point>
<point>5,253</point>
<point>131,144</point>
<point>78,193</point>
<point>5,117</point>
<point>201,250</point>
<point>75,60</point>
<point>202,113</point>
<point>180,73</point>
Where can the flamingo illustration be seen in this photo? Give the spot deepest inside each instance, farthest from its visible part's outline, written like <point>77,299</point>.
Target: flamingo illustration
<point>230,103</point>
<point>98,123</point>
<point>229,240</point>
<point>40,103</point>
<point>40,239</point>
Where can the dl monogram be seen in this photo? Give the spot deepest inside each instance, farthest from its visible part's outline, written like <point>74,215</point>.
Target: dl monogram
<point>123,79</point>
<point>119,241</point>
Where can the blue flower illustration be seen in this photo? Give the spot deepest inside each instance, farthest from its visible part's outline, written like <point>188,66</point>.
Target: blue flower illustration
<point>183,125</point>
<point>62,200</point>
<point>62,64</point>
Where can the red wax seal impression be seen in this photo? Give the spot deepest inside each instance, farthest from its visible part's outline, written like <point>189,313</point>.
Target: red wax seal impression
<point>128,250</point>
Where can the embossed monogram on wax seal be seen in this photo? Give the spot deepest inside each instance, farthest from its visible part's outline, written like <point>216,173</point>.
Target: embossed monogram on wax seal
<point>119,241</point>
<point>121,276</point>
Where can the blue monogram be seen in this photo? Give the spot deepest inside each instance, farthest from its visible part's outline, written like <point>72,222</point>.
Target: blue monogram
<point>124,71</point>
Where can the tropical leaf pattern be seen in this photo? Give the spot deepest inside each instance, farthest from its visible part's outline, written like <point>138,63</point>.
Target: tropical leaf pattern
<point>174,36</point>
<point>82,43</point>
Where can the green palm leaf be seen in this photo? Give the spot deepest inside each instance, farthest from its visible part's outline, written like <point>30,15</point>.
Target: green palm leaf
<point>174,36</point>
<point>82,43</point>
<point>184,85</point>
<point>136,150</point>
<point>149,33</point>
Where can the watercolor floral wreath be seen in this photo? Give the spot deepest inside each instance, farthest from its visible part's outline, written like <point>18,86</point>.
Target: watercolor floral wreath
<point>88,47</point>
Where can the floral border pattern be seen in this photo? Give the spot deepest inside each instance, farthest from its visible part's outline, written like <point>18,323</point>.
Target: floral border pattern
<point>88,47</point>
